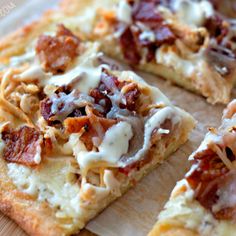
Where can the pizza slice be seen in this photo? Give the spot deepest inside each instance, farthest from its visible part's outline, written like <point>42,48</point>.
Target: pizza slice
<point>187,42</point>
<point>76,132</point>
<point>203,203</point>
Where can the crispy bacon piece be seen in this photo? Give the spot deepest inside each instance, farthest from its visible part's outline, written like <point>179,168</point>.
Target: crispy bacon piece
<point>147,158</point>
<point>109,86</point>
<point>94,127</point>
<point>56,52</point>
<point>145,12</point>
<point>21,145</point>
<point>63,105</point>
<point>129,47</point>
<point>210,176</point>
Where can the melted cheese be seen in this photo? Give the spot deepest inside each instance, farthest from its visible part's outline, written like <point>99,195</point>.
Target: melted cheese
<point>52,183</point>
<point>193,13</point>
<point>147,35</point>
<point>153,122</point>
<point>156,95</point>
<point>34,72</point>
<point>37,157</point>
<point>192,215</point>
<point>171,59</point>
<point>113,146</point>
<point>27,57</point>
<point>124,12</point>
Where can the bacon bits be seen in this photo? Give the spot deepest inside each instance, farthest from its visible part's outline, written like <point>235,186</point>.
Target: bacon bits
<point>21,145</point>
<point>148,31</point>
<point>211,179</point>
<point>129,47</point>
<point>93,128</point>
<point>56,52</point>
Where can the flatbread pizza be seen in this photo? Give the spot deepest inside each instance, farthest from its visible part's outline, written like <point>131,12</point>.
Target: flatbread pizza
<point>77,131</point>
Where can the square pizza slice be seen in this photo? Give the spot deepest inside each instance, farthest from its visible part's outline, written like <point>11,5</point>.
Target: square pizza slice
<point>76,132</point>
<point>187,42</point>
<point>203,203</point>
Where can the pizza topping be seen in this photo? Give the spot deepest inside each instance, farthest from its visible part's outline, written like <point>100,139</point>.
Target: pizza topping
<point>217,27</point>
<point>61,105</point>
<point>213,174</point>
<point>147,30</point>
<point>56,52</point>
<point>124,12</point>
<point>22,146</point>
<point>129,47</point>
<point>92,126</point>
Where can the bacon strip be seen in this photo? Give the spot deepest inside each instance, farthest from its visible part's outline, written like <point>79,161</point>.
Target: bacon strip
<point>92,125</point>
<point>21,145</point>
<point>210,176</point>
<point>56,52</point>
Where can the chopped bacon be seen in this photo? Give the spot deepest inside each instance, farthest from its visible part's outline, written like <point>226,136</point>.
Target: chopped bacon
<point>56,52</point>
<point>45,108</point>
<point>129,47</point>
<point>93,127</point>
<point>63,105</point>
<point>109,86</point>
<point>210,176</point>
<point>21,145</point>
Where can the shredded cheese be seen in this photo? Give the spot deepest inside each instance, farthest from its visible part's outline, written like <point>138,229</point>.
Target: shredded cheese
<point>222,155</point>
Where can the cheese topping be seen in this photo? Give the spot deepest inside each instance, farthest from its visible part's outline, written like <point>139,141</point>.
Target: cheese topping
<point>193,13</point>
<point>114,144</point>
<point>192,215</point>
<point>84,76</point>
<point>171,59</point>
<point>124,12</point>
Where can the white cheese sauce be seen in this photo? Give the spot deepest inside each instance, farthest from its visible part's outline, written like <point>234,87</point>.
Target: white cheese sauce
<point>113,146</point>
<point>193,13</point>
<point>153,122</point>
<point>124,12</point>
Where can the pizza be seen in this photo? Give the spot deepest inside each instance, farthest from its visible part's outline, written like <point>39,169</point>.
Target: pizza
<point>187,42</point>
<point>76,129</point>
<point>203,203</point>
